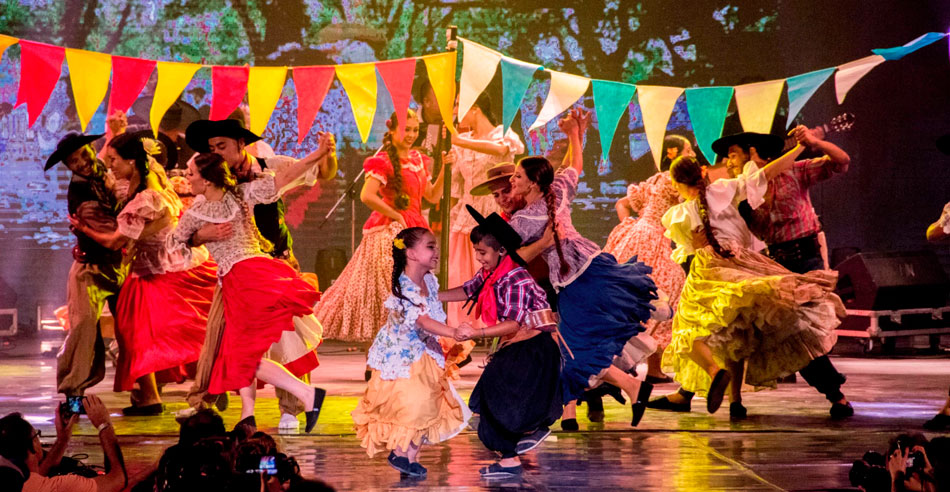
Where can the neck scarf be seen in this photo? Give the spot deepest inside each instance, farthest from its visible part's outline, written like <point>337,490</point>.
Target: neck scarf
<point>487,307</point>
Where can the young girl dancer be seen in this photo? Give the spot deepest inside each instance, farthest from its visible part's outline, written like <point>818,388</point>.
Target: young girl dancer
<point>738,304</point>
<point>163,306</point>
<point>409,400</point>
<point>518,395</point>
<point>261,294</point>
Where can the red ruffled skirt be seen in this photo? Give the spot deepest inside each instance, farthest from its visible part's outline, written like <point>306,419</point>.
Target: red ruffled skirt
<point>261,298</point>
<point>160,324</point>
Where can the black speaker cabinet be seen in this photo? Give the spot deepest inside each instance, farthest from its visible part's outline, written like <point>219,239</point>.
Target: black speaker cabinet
<point>887,281</point>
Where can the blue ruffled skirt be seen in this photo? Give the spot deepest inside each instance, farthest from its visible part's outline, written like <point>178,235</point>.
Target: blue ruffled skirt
<point>600,310</point>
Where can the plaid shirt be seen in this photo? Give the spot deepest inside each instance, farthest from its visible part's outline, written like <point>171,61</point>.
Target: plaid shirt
<point>516,294</point>
<point>788,213</point>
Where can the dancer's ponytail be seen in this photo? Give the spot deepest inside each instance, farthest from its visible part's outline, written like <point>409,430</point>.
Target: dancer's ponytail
<point>401,200</point>
<point>686,170</point>
<point>539,171</point>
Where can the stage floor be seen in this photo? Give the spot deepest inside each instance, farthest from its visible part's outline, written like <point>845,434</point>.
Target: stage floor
<point>788,443</point>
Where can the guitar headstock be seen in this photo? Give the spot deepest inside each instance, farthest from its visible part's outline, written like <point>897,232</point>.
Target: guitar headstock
<point>844,122</point>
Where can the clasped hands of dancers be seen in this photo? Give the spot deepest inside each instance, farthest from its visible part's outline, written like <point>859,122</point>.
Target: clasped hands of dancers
<point>738,308</point>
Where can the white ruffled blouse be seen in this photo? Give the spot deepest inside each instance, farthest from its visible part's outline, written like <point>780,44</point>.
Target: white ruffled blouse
<point>238,209</point>
<point>723,197</point>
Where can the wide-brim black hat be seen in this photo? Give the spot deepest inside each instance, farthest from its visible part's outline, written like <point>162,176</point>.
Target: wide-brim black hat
<point>67,145</point>
<point>199,132</point>
<point>503,232</point>
<point>767,145</point>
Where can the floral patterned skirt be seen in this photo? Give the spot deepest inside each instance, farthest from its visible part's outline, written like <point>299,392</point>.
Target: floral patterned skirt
<point>352,308</point>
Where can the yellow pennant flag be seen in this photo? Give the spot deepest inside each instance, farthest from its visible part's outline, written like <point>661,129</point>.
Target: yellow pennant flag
<point>172,80</point>
<point>441,70</point>
<point>89,76</point>
<point>359,82</point>
<point>264,86</point>
<point>6,42</point>
<point>757,102</point>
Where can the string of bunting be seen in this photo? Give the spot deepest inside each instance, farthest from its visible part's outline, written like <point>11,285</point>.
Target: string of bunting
<point>707,106</point>
<point>89,73</point>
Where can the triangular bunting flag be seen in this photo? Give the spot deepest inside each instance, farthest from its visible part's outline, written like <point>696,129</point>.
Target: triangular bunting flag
<point>264,86</point>
<point>40,66</point>
<point>6,42</point>
<point>228,87</point>
<point>359,82</point>
<point>898,52</point>
<point>172,79</point>
<point>757,103</point>
<point>565,90</point>
<point>516,76</point>
<point>311,84</point>
<point>610,102</point>
<point>707,107</point>
<point>398,76</point>
<point>656,106</point>
<point>89,77</point>
<point>129,76</point>
<point>479,65</point>
<point>441,71</point>
<point>850,73</point>
<point>801,88</point>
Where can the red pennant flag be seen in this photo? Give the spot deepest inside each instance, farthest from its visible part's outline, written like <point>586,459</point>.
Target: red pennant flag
<point>129,76</point>
<point>311,84</point>
<point>40,67</point>
<point>228,86</point>
<point>398,76</point>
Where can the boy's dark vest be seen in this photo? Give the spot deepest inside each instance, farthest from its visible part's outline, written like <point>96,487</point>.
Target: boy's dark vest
<point>270,221</point>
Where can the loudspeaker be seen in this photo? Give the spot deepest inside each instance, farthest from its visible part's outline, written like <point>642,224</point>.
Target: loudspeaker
<point>329,265</point>
<point>8,296</point>
<point>888,281</point>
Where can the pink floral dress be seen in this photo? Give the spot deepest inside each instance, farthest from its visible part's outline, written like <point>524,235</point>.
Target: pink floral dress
<point>643,236</point>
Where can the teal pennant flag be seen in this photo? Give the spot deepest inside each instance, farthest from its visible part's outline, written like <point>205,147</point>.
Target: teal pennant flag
<point>516,76</point>
<point>707,107</point>
<point>898,52</point>
<point>610,102</point>
<point>801,88</point>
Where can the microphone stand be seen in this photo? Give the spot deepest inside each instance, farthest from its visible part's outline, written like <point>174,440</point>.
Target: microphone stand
<point>350,192</point>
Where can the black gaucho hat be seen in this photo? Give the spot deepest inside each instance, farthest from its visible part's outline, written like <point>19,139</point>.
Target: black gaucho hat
<point>503,232</point>
<point>67,145</point>
<point>198,133</point>
<point>768,146</point>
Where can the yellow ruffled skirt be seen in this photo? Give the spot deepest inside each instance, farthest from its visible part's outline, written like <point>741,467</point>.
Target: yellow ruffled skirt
<point>423,409</point>
<point>750,307</point>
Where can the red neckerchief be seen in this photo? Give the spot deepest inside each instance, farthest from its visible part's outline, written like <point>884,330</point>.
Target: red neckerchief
<point>487,306</point>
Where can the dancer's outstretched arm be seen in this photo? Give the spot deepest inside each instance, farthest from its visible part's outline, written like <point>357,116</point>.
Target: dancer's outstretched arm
<point>433,191</point>
<point>784,163</point>
<point>453,295</point>
<point>436,328</point>
<point>324,156</point>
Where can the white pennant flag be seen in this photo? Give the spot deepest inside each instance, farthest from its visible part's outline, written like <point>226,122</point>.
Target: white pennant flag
<point>656,106</point>
<point>850,73</point>
<point>478,67</point>
<point>565,90</point>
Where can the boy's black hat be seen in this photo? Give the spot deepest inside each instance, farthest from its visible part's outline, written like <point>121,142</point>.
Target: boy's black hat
<point>501,230</point>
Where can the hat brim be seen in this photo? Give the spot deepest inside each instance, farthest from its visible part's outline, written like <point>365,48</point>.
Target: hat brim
<point>198,133</point>
<point>65,151</point>
<point>503,232</point>
<point>485,187</point>
<point>765,144</point>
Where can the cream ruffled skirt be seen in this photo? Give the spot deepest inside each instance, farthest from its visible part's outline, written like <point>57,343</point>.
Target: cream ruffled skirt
<point>421,409</point>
